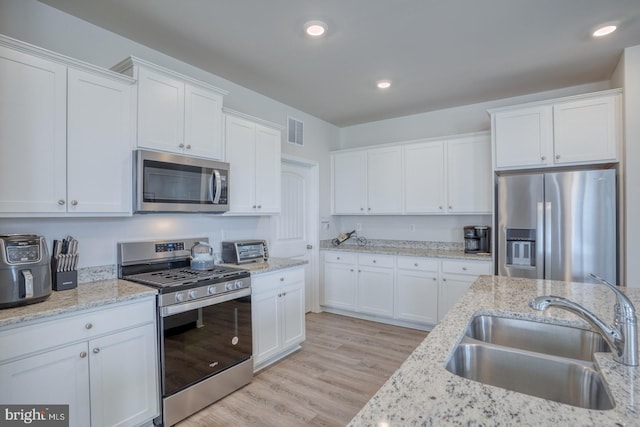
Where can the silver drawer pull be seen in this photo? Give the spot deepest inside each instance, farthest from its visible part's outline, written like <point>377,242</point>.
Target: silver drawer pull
<point>96,350</point>
<point>83,354</point>
<point>88,326</point>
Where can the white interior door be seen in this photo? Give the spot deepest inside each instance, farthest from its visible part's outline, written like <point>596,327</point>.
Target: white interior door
<point>295,229</point>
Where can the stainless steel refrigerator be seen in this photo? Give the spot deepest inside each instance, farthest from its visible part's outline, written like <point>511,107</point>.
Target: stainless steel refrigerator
<point>557,225</point>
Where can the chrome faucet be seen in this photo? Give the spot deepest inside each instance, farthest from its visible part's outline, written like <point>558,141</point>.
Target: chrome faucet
<point>622,338</point>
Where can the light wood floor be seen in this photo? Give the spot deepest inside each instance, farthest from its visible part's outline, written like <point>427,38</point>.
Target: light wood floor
<point>343,362</point>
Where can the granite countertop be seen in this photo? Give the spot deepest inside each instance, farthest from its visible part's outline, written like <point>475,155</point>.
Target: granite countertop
<point>85,296</point>
<point>423,393</point>
<point>422,252</point>
<point>274,264</point>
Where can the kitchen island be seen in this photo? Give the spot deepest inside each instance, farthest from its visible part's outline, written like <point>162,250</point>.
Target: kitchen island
<point>423,393</point>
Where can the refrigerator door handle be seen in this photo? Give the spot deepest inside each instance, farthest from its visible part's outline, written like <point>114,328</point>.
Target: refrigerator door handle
<point>540,240</point>
<point>546,248</point>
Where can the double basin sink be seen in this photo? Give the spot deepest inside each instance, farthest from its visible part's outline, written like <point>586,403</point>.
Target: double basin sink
<point>550,361</point>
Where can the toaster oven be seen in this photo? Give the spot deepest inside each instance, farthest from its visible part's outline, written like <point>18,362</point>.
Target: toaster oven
<point>244,251</point>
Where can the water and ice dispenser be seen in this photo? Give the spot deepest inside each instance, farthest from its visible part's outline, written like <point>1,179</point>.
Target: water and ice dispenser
<point>521,247</point>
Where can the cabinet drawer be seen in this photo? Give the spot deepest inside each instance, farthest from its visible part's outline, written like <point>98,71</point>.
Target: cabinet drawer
<point>85,325</point>
<point>473,268</point>
<point>374,260</point>
<point>417,263</point>
<point>340,257</point>
<point>269,281</point>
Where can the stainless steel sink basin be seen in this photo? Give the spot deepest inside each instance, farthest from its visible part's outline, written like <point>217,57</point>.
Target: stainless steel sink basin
<point>554,378</point>
<point>556,340</point>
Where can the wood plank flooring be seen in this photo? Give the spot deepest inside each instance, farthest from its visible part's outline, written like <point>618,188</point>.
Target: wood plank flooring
<point>343,362</point>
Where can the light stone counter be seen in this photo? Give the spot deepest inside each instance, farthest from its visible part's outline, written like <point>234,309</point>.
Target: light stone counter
<point>274,264</point>
<point>86,295</point>
<point>393,247</point>
<point>423,393</point>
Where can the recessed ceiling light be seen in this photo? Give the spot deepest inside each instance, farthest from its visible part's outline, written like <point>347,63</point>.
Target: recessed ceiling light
<point>604,30</point>
<point>383,84</point>
<point>315,28</point>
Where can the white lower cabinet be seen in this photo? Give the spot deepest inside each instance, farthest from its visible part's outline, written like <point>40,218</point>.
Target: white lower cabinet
<point>277,312</point>
<point>102,363</point>
<point>417,290</point>
<point>402,289</point>
<point>456,278</point>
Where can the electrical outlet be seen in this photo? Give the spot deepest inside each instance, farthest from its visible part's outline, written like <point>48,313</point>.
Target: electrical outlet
<point>358,227</point>
<point>412,227</point>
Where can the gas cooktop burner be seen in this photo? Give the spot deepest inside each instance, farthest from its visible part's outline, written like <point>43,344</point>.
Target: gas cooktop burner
<point>183,276</point>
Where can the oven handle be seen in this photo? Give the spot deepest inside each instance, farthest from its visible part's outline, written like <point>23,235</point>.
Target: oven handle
<point>188,306</point>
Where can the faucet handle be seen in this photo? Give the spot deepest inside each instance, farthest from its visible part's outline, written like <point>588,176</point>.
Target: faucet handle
<point>624,308</point>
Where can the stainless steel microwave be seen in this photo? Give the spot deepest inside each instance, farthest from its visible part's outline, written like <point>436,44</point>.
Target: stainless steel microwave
<point>167,182</point>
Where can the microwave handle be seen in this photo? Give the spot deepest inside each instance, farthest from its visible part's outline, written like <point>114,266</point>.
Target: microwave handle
<point>215,196</point>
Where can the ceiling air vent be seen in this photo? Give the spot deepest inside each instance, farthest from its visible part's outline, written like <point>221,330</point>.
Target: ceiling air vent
<point>295,130</point>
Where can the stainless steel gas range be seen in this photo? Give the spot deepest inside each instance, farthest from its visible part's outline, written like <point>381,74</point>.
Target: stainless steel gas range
<point>204,323</point>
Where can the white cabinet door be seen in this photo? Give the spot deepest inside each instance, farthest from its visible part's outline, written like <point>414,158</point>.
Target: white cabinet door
<point>59,377</point>
<point>266,320</point>
<point>340,287</point>
<point>423,178</point>
<point>203,123</point>
<point>375,290</point>
<point>240,153</point>
<point>384,180</point>
<point>99,144</point>
<point>124,377</point>
<point>469,175</point>
<point>523,137</point>
<point>586,130</point>
<point>349,182</point>
<point>160,111</point>
<point>253,152</point>
<point>452,288</point>
<point>267,170</point>
<point>416,296</point>
<point>32,134</point>
<point>293,322</point>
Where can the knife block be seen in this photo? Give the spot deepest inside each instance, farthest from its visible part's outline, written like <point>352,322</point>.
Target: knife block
<point>63,280</point>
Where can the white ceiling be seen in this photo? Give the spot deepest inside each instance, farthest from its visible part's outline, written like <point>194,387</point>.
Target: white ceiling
<point>438,53</point>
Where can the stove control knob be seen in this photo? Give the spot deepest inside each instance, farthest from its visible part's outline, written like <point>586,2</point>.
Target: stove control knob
<point>239,284</point>
<point>228,286</point>
<point>179,297</point>
<point>211,290</point>
<point>193,294</point>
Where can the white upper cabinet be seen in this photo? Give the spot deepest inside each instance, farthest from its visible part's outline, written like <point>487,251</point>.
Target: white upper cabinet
<point>581,129</point>
<point>33,134</point>
<point>469,176</point>
<point>367,181</point>
<point>423,178</point>
<point>176,113</point>
<point>384,179</point>
<point>99,144</point>
<point>349,173</point>
<point>66,141</point>
<point>253,152</point>
<point>451,176</point>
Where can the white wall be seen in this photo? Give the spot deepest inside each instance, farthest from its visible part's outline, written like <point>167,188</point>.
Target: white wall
<point>47,27</point>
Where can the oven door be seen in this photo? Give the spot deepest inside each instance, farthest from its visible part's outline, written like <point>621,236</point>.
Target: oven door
<point>202,338</point>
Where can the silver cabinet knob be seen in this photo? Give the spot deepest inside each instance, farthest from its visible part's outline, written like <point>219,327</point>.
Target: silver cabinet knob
<point>464,268</point>
<point>282,279</point>
<point>181,145</point>
<point>415,265</point>
<point>279,295</point>
<point>444,279</point>
<point>83,354</point>
<point>557,156</point>
<point>543,158</point>
<point>368,209</point>
<point>351,270</point>
<point>374,261</point>
<point>259,206</point>
<point>361,209</point>
<point>74,202</point>
<point>188,146</point>
<point>88,326</point>
<point>254,206</point>
<point>434,279</point>
<point>284,294</point>
<point>359,271</point>
<point>337,257</point>
<point>96,350</point>
<point>440,207</point>
<point>61,202</point>
<point>450,207</point>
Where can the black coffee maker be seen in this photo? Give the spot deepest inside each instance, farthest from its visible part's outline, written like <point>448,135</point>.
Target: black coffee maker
<point>477,239</point>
